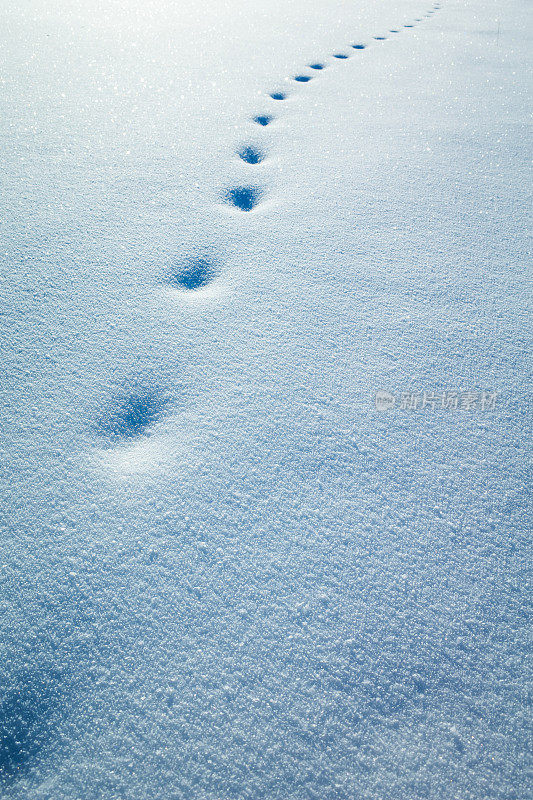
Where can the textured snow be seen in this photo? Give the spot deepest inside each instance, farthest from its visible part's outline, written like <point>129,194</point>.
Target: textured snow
<point>225,574</point>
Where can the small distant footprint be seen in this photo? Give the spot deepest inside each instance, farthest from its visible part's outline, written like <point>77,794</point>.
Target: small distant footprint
<point>243,197</point>
<point>302,78</point>
<point>358,46</point>
<point>317,66</point>
<point>340,55</point>
<point>263,119</point>
<point>278,95</point>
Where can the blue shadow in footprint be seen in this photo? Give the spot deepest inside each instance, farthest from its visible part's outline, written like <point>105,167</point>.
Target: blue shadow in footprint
<point>193,274</point>
<point>250,154</point>
<point>132,413</point>
<point>263,119</point>
<point>243,197</point>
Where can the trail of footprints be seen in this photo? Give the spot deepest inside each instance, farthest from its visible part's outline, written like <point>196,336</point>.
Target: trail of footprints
<point>246,198</point>
<point>133,412</point>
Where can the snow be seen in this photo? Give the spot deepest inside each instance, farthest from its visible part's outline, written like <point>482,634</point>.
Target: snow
<point>225,574</point>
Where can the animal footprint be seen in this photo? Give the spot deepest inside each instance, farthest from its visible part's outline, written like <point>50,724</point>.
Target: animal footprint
<point>243,197</point>
<point>303,78</point>
<point>194,274</point>
<point>252,155</point>
<point>263,119</point>
<point>278,95</point>
<point>132,412</point>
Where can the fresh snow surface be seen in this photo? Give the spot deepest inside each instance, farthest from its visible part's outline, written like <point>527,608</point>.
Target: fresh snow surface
<point>225,573</point>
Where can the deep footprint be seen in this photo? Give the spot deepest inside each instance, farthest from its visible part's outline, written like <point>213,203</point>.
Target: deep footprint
<point>358,46</point>
<point>302,78</point>
<point>278,95</point>
<point>251,155</point>
<point>194,274</point>
<point>132,413</point>
<point>243,197</point>
<point>316,66</point>
<point>340,55</point>
<point>263,119</point>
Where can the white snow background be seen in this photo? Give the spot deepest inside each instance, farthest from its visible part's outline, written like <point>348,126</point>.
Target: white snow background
<point>225,575</point>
